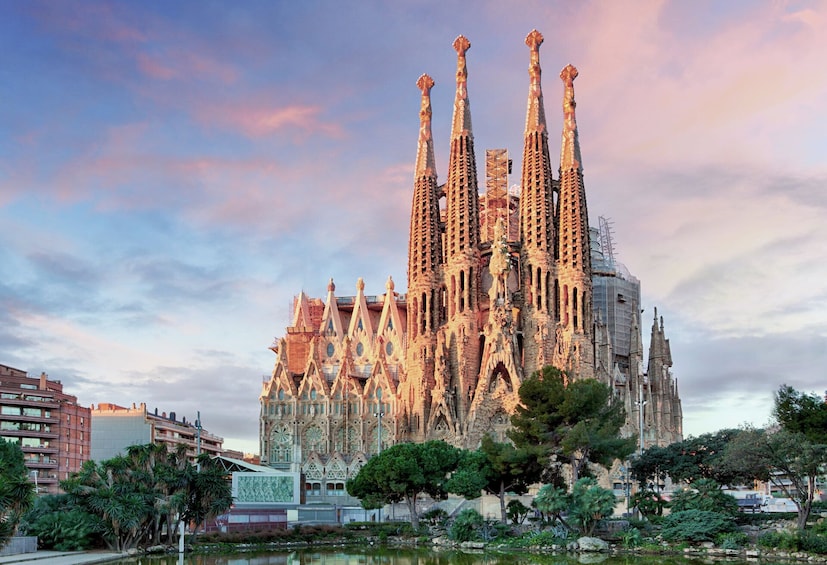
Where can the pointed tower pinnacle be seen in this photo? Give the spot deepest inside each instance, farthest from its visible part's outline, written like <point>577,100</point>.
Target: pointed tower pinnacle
<point>535,119</point>
<point>424,245</point>
<point>536,220</point>
<point>425,162</point>
<point>462,109</point>
<point>570,151</point>
<point>574,270</point>
<point>462,201</point>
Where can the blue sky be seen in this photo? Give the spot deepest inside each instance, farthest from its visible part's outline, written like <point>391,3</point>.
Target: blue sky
<point>173,173</point>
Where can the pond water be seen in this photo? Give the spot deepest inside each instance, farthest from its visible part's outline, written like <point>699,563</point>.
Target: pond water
<point>388,556</point>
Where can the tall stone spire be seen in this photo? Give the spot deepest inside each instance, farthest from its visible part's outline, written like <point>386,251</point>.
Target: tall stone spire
<point>424,244</point>
<point>424,267</point>
<point>462,205</point>
<point>574,301</point>
<point>461,269</point>
<point>570,150</point>
<point>536,220</point>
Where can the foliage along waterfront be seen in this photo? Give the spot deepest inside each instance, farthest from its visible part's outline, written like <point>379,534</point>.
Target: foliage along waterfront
<point>391,556</point>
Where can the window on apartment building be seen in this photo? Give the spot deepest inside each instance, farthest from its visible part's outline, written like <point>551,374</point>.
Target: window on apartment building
<point>10,410</point>
<point>81,421</point>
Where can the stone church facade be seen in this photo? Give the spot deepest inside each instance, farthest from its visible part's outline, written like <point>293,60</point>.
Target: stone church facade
<point>499,285</point>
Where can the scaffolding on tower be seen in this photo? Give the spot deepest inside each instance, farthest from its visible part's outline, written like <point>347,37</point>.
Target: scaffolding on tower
<point>498,203</point>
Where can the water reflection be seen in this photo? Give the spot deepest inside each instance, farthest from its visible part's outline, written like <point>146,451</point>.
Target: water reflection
<point>384,556</point>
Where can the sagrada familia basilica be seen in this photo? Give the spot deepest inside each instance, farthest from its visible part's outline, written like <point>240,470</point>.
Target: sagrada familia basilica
<point>499,286</point>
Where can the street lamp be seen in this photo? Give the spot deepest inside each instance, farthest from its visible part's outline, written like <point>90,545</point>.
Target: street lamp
<point>640,404</point>
<point>33,473</point>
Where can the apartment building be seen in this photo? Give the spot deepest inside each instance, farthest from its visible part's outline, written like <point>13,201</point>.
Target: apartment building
<point>116,427</point>
<point>52,429</point>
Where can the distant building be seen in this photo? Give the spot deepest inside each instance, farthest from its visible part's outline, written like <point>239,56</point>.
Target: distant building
<point>114,428</point>
<point>51,428</point>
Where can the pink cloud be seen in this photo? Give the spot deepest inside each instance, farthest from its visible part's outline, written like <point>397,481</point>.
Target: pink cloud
<point>265,120</point>
<point>154,69</point>
<point>184,65</point>
<point>726,93</point>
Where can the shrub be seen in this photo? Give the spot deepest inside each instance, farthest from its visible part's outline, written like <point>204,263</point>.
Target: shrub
<point>60,525</point>
<point>649,502</point>
<point>813,542</point>
<point>517,511</point>
<point>466,526</point>
<point>695,525</point>
<point>434,517</point>
<point>787,541</point>
<point>705,494</point>
<point>631,538</point>
<point>732,540</point>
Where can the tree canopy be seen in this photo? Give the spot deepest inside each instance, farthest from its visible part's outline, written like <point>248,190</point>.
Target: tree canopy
<point>789,460</point>
<point>498,469</point>
<point>581,509</point>
<point>690,460</point>
<point>578,422</point>
<point>403,472</point>
<point>16,492</point>
<point>147,491</point>
<point>799,412</point>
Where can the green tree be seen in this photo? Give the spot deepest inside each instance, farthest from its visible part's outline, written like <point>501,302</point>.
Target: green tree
<point>498,469</point>
<point>583,507</point>
<point>16,492</point>
<point>590,503</point>
<point>798,412</point>
<point>690,460</point>
<point>649,502</point>
<point>652,467</point>
<point>147,491</point>
<point>789,460</point>
<point>60,525</point>
<point>696,525</point>
<point>403,472</point>
<point>704,494</point>
<point>578,422</point>
<point>517,511</point>
<point>207,492</point>
<point>552,502</point>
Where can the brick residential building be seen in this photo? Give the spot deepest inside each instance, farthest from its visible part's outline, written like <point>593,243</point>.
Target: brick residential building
<point>52,429</point>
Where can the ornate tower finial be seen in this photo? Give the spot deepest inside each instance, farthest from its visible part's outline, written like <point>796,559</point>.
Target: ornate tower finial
<point>425,162</point>
<point>570,152</point>
<point>462,111</point>
<point>331,286</point>
<point>389,285</point>
<point>535,119</point>
<point>534,40</point>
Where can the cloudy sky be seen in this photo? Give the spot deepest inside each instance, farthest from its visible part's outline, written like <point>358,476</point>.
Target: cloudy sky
<point>173,173</point>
